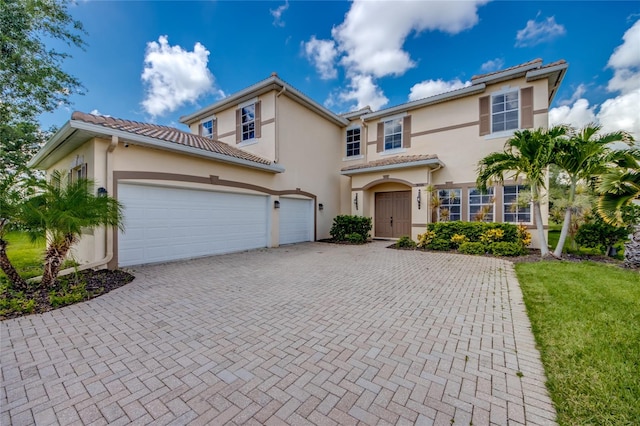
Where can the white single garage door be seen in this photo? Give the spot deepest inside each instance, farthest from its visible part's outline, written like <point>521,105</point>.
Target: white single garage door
<point>163,224</point>
<point>296,220</point>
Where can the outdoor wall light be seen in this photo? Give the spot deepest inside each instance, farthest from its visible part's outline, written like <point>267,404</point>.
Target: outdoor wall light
<point>355,201</point>
<point>102,192</point>
<point>419,199</point>
<point>320,206</point>
<point>276,204</point>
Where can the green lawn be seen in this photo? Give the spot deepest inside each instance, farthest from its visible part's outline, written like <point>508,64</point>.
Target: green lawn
<point>586,320</point>
<point>25,255</point>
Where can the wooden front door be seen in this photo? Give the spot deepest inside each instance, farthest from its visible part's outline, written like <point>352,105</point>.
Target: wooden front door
<point>393,214</point>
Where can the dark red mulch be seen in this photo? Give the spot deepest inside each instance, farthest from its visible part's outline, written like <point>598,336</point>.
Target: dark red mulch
<point>97,283</point>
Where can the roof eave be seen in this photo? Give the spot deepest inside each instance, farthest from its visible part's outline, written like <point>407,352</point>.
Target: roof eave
<point>271,83</point>
<point>92,129</point>
<point>54,142</point>
<point>430,162</point>
<point>460,93</point>
<point>560,70</point>
<point>508,74</point>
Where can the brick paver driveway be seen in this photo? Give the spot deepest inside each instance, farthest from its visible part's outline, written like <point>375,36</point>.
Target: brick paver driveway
<point>306,334</point>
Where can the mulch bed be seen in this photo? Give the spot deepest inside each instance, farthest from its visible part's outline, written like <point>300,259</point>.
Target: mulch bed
<point>97,283</point>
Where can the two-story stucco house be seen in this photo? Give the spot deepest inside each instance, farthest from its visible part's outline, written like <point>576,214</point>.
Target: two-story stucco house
<point>268,166</point>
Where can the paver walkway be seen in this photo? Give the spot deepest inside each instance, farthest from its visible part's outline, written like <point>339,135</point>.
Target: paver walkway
<point>306,334</point>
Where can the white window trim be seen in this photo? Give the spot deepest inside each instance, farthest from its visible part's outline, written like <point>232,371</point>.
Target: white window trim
<point>247,103</point>
<point>460,192</point>
<point>253,139</point>
<point>204,120</point>
<point>504,210</point>
<point>493,210</point>
<point>394,150</point>
<point>353,157</point>
<point>504,133</point>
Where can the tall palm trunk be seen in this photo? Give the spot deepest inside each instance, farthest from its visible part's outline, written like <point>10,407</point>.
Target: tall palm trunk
<point>55,255</point>
<point>632,250</point>
<point>17,282</point>
<point>567,221</point>
<point>537,214</point>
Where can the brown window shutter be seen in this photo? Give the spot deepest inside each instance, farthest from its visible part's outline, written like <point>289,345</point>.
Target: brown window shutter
<point>380,140</point>
<point>258,126</point>
<point>239,125</point>
<point>406,132</point>
<point>485,116</point>
<point>214,130</point>
<point>526,108</point>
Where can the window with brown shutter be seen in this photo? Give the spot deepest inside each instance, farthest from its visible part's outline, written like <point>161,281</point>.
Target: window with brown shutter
<point>406,132</point>
<point>526,108</point>
<point>485,116</point>
<point>248,126</point>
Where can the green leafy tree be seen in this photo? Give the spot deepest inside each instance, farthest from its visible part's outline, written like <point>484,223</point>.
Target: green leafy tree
<point>62,212</point>
<point>32,81</point>
<point>527,154</point>
<point>582,156</point>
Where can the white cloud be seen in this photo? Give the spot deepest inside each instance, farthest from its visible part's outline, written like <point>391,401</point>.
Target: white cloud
<point>277,14</point>
<point>539,32</point>
<point>435,87</point>
<point>492,65</point>
<point>174,76</point>
<point>577,115</point>
<point>364,92</point>
<point>369,43</point>
<point>322,53</point>
<point>577,94</point>
<point>373,32</point>
<point>96,112</point>
<point>621,112</point>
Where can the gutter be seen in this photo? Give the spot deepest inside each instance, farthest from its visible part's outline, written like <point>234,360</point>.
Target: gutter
<point>393,167</point>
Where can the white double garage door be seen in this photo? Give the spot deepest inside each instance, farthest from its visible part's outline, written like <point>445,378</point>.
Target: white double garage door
<point>167,223</point>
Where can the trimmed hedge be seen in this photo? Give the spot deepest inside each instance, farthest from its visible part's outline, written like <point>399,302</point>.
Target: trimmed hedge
<point>444,231</point>
<point>345,226</point>
<point>472,248</point>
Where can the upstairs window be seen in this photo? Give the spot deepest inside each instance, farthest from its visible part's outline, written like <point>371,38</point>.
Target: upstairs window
<point>393,134</point>
<point>248,119</point>
<point>514,211</point>
<point>353,142</point>
<point>206,128</point>
<point>481,205</point>
<point>504,111</point>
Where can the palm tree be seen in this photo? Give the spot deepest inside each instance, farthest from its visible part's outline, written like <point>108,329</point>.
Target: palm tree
<point>62,211</point>
<point>582,156</point>
<point>528,154</point>
<point>618,187</point>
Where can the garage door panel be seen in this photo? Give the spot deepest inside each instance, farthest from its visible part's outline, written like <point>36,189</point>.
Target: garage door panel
<point>296,220</point>
<point>163,224</point>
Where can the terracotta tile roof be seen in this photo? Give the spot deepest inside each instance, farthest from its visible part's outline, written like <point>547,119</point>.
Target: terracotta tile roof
<point>538,60</point>
<point>402,159</point>
<point>168,134</point>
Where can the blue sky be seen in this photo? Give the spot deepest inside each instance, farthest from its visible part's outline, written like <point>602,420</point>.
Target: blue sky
<point>158,60</point>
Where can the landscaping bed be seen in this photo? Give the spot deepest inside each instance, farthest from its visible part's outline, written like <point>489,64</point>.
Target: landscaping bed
<point>69,289</point>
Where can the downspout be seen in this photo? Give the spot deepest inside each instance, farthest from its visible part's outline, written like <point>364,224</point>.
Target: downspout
<point>277,142</point>
<point>108,232</point>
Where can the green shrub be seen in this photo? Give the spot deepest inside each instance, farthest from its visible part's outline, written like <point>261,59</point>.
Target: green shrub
<point>344,225</point>
<point>425,239</point>
<point>503,248</point>
<point>439,244</point>
<point>473,230</point>
<point>68,295</point>
<point>458,239</point>
<point>355,238</point>
<point>405,242</point>
<point>472,248</point>
<point>600,235</point>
